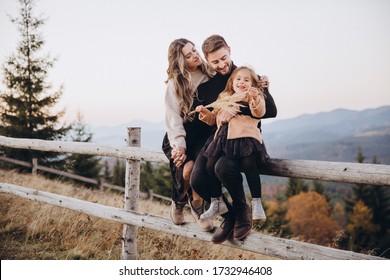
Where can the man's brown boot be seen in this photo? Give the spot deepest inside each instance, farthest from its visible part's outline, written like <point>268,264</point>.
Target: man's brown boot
<point>243,225</point>
<point>224,231</point>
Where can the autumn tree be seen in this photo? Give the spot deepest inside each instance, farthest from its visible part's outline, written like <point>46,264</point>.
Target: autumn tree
<point>309,218</point>
<point>27,102</point>
<point>338,214</point>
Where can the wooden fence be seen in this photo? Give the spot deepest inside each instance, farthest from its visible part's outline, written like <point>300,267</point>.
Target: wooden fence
<point>96,182</point>
<point>371,174</point>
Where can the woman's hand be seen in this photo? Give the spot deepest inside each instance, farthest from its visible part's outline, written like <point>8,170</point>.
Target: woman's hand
<point>264,82</point>
<point>179,156</point>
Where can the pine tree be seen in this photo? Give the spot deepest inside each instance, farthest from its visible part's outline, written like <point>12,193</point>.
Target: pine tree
<point>319,187</point>
<point>119,172</point>
<point>359,191</point>
<point>295,186</point>
<point>107,175</point>
<point>377,200</point>
<point>276,222</point>
<point>156,177</point>
<point>26,103</point>
<point>360,229</point>
<point>84,165</point>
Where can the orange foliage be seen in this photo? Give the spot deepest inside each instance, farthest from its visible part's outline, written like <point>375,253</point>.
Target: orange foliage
<point>361,217</point>
<point>338,214</point>
<point>308,215</point>
<point>272,207</point>
<point>360,228</point>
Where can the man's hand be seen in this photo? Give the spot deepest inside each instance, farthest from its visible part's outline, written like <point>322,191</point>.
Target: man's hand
<point>179,156</point>
<point>225,116</point>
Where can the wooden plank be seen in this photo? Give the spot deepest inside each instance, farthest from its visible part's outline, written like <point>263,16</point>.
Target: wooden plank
<point>16,161</point>
<point>255,242</point>
<point>347,172</point>
<point>68,174</point>
<point>86,148</point>
<point>34,165</point>
<point>113,187</point>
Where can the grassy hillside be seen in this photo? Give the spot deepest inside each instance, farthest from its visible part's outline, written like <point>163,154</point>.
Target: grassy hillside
<point>33,230</point>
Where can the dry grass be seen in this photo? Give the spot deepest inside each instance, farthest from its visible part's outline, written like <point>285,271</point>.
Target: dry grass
<point>33,230</point>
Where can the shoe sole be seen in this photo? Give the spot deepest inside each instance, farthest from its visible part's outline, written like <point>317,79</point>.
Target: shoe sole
<point>227,237</point>
<point>207,229</point>
<point>240,238</point>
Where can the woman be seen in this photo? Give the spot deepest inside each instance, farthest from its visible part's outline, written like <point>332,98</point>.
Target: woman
<point>182,142</point>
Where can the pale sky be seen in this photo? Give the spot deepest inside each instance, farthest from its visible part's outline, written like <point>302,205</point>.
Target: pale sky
<point>112,55</point>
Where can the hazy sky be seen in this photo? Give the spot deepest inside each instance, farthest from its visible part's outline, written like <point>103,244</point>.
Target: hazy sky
<point>112,55</point>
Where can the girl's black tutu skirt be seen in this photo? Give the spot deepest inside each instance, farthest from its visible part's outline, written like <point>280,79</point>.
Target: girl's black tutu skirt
<point>235,148</point>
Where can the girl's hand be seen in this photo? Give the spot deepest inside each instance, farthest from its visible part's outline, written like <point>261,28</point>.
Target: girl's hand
<point>253,92</point>
<point>200,109</point>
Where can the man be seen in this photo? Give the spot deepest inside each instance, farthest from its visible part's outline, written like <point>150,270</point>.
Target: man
<point>217,53</point>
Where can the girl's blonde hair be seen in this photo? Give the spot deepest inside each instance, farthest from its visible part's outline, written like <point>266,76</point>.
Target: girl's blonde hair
<point>254,79</point>
<point>178,72</point>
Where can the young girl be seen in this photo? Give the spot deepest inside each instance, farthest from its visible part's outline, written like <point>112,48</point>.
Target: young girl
<point>239,139</point>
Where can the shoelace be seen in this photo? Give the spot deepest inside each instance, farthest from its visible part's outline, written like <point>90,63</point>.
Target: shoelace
<point>179,205</point>
<point>198,211</point>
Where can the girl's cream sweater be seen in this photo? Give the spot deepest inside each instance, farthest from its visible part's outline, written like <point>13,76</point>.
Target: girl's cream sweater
<point>240,125</point>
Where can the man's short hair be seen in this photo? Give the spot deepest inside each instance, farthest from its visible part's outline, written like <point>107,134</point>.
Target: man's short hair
<point>213,43</point>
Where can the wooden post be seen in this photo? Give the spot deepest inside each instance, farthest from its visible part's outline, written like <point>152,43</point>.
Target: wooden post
<point>101,182</point>
<point>34,166</point>
<point>150,194</point>
<point>130,233</point>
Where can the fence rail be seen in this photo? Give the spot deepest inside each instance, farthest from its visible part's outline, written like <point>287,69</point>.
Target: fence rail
<point>255,242</point>
<point>100,183</point>
<point>346,172</point>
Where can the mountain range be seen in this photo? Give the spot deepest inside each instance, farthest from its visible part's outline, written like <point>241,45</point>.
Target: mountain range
<point>331,136</point>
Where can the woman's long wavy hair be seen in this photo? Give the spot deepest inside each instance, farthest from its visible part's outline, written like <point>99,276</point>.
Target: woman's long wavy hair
<point>178,72</point>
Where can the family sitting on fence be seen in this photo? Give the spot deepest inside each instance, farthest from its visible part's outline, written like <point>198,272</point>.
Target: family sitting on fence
<point>213,112</point>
